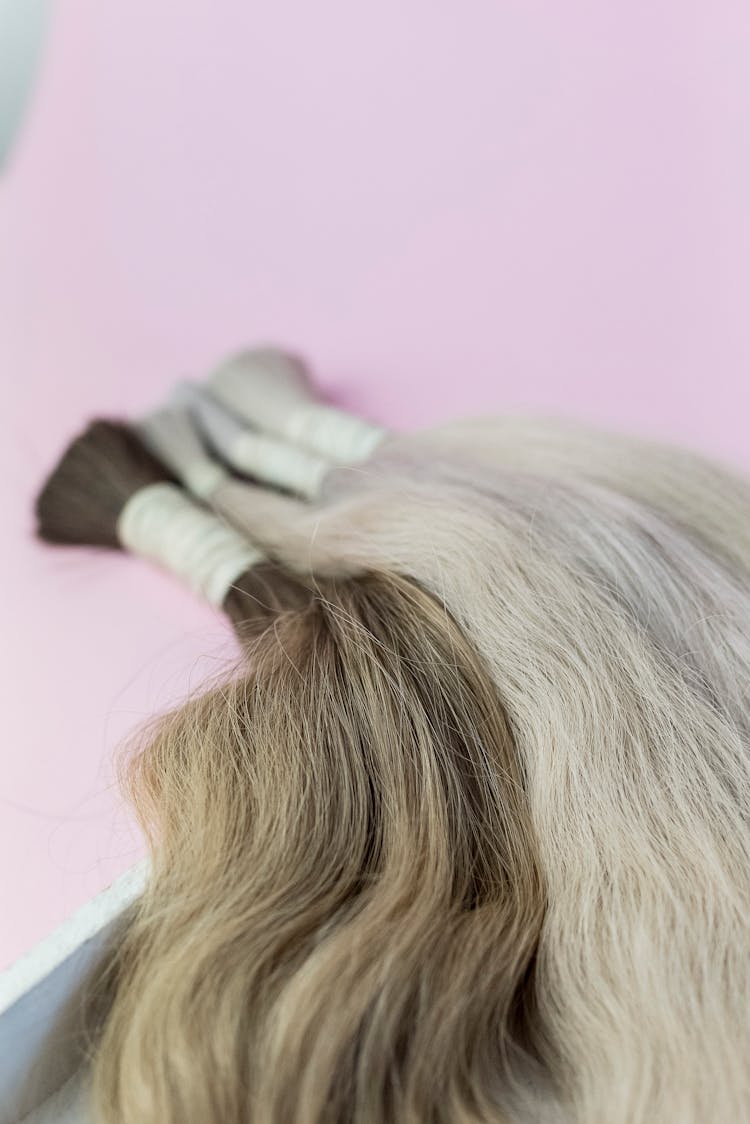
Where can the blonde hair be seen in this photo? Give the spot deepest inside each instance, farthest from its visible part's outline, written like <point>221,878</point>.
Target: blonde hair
<point>467,836</point>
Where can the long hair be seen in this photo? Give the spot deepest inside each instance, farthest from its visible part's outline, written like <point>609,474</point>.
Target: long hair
<point>466,838</point>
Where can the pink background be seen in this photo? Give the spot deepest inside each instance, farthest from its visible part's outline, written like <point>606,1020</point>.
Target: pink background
<point>449,206</point>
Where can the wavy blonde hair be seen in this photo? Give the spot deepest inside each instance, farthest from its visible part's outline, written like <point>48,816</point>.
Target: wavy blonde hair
<point>467,838</point>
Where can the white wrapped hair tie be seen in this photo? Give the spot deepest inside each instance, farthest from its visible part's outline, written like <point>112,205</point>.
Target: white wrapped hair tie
<point>171,436</point>
<point>251,453</point>
<point>163,524</point>
<point>272,391</point>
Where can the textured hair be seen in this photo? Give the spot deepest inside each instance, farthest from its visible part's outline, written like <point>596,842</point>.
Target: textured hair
<point>466,837</point>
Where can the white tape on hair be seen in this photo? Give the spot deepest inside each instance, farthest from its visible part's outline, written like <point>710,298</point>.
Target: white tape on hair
<point>278,462</point>
<point>268,459</point>
<point>332,433</point>
<point>163,524</point>
<point>171,436</point>
<point>203,477</point>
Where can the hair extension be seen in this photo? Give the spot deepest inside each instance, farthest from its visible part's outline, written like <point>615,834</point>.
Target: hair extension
<point>705,501</point>
<point>252,453</point>
<point>466,837</point>
<point>109,490</point>
<point>273,391</point>
<point>616,631</point>
<point>179,433</point>
<point>260,414</point>
<point>420,691</point>
<point>346,904</point>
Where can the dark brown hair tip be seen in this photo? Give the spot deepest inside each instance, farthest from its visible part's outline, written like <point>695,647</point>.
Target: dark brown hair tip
<point>82,498</point>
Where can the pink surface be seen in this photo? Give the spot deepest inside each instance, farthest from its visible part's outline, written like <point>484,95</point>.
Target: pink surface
<point>449,207</point>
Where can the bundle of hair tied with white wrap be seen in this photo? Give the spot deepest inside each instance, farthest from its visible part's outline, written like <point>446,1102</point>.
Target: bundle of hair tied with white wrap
<point>465,837</point>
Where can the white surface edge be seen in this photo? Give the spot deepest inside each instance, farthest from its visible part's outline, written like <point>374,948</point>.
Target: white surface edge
<point>52,951</point>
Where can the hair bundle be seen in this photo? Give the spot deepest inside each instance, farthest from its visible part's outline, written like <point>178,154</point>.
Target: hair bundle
<point>465,839</point>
